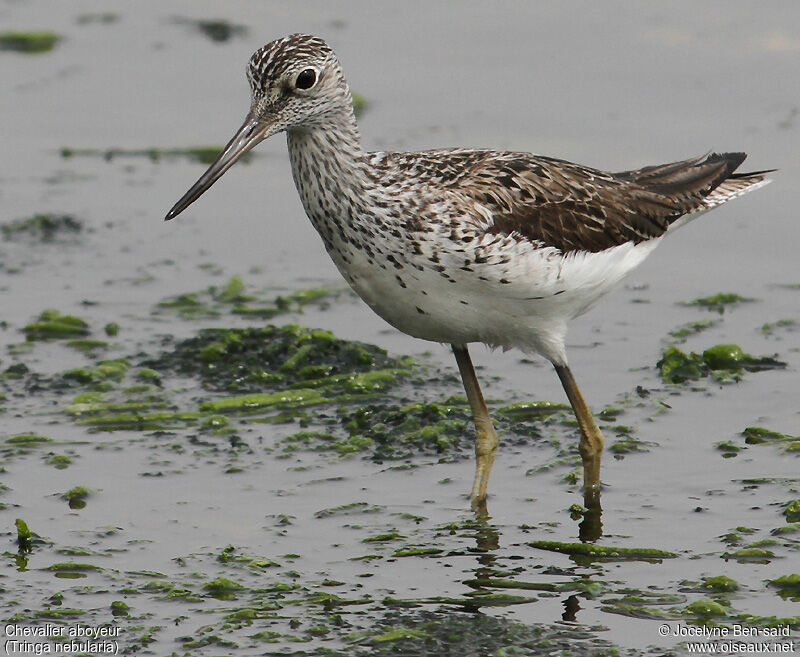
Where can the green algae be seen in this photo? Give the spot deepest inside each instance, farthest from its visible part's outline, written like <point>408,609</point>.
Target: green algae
<point>42,227</point>
<point>28,440</point>
<point>384,538</point>
<point>111,329</point>
<point>792,511</point>
<point>417,552</point>
<point>100,376</point>
<point>255,359</point>
<point>199,154</point>
<point>397,432</point>
<point>29,43</point>
<point>168,591</point>
<point>348,509</point>
<point>628,444</point>
<point>88,346</point>
<point>720,584</point>
<point>760,435</point>
<point>603,552</point>
<point>59,614</point>
<point>141,421</point>
<point>705,608</point>
<point>76,497</point>
<point>219,30</point>
<point>397,634</point>
<point>52,325</point>
<point>724,362</point>
<point>356,382</point>
<point>247,403</point>
<point>223,588</point>
<point>751,554</point>
<point>119,608</point>
<point>230,556</point>
<point>680,334</point>
<point>188,306</point>
<point>24,536</point>
<point>770,328</point>
<point>232,292</point>
<point>499,583</point>
<point>678,367</point>
<point>73,567</point>
<point>531,410</point>
<point>235,297</point>
<point>788,586</point>
<point>58,461</point>
<point>104,408</point>
<point>731,357</point>
<point>787,581</point>
<point>719,302</point>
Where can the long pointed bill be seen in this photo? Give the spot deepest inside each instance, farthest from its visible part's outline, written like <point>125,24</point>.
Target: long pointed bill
<point>253,131</point>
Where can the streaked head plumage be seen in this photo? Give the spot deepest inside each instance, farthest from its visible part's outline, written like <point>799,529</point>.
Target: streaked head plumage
<point>298,79</point>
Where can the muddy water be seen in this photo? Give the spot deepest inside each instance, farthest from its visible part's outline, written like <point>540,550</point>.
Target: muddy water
<point>599,84</point>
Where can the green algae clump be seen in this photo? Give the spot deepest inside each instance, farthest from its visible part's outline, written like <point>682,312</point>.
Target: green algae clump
<point>724,361</point>
<point>720,584</point>
<point>678,367</point>
<point>274,358</point>
<point>792,511</point>
<point>52,325</point>
<point>223,588</point>
<point>76,497</point>
<point>602,551</point>
<point>705,608</point>
<point>732,357</point>
<point>245,403</point>
<point>24,535</point>
<point>29,43</point>
<point>28,440</point>
<point>41,227</point>
<point>719,302</point>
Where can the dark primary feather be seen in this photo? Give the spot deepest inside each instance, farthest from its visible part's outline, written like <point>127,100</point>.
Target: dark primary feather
<point>575,208</point>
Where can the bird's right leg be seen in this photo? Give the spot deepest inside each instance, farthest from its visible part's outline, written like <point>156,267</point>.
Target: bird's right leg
<point>486,440</point>
<point>591,445</point>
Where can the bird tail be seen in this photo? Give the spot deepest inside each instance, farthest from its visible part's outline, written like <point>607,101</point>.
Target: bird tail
<point>737,185</point>
<point>700,184</point>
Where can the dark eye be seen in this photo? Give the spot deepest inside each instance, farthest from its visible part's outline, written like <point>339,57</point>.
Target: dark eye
<point>306,79</point>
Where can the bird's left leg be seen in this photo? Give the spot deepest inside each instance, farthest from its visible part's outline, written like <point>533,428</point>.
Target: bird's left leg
<point>486,440</point>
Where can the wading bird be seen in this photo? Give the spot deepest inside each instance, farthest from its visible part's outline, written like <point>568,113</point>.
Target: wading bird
<point>464,245</point>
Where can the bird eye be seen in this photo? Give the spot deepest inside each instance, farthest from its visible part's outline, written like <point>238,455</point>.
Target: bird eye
<point>306,79</point>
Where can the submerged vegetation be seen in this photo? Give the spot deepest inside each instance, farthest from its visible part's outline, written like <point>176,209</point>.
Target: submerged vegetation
<point>201,154</point>
<point>719,302</point>
<point>723,362</point>
<point>30,43</point>
<point>42,227</point>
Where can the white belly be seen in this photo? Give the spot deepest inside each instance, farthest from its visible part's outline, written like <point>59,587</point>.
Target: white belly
<point>529,309</point>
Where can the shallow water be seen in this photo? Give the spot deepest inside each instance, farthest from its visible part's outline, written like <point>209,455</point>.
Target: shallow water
<point>600,84</point>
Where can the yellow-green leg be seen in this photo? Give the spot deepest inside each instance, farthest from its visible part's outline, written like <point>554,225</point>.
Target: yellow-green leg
<point>591,445</point>
<point>486,439</point>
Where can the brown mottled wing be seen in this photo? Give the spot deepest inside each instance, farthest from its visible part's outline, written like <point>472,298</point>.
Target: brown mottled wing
<point>576,208</point>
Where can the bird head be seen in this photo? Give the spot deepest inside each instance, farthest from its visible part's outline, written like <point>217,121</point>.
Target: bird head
<point>296,83</point>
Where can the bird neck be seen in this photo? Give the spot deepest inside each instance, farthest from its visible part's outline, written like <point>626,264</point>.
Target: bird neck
<point>330,150</point>
<point>330,172</point>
